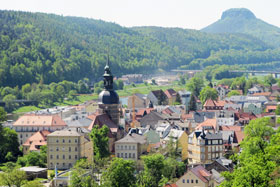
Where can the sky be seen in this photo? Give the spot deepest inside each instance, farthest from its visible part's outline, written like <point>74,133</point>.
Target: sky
<point>191,14</point>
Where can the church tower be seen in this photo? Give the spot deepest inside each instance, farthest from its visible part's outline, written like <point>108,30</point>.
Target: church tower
<point>108,99</point>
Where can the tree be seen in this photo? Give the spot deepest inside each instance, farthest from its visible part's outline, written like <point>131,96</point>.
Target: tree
<point>34,158</point>
<point>100,139</point>
<point>182,80</point>
<point>233,92</point>
<point>13,178</point>
<point>60,92</point>
<point>277,111</point>
<point>208,93</point>
<point>120,173</point>
<point>153,166</point>
<point>9,146</point>
<point>192,103</point>
<point>195,85</point>
<point>34,183</point>
<point>3,115</point>
<point>173,169</point>
<point>10,103</point>
<point>259,157</point>
<point>72,95</point>
<point>178,100</point>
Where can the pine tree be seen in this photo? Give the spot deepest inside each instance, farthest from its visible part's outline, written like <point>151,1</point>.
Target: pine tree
<point>192,103</point>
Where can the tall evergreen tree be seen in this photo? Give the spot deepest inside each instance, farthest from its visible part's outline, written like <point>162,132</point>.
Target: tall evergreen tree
<point>192,103</point>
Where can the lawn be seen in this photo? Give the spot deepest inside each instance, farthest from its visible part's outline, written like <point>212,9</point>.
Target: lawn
<point>25,109</point>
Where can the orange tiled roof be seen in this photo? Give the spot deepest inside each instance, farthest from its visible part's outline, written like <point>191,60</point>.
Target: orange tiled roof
<point>39,120</point>
<point>207,123</point>
<point>37,139</point>
<point>239,135</point>
<point>212,103</point>
<point>230,128</point>
<point>103,119</point>
<point>262,94</point>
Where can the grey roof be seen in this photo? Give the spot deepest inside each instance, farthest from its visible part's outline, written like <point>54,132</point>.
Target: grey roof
<point>214,136</point>
<point>108,97</point>
<point>242,98</point>
<point>257,105</point>
<point>133,138</point>
<point>223,161</point>
<point>227,134</point>
<point>83,122</point>
<point>199,116</point>
<point>70,132</point>
<point>217,176</point>
<point>151,119</point>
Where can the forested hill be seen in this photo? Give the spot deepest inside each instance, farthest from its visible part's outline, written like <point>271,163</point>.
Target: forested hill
<point>241,20</point>
<point>38,47</point>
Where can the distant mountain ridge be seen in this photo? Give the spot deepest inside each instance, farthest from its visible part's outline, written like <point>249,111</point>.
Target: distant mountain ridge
<point>46,48</point>
<point>242,20</point>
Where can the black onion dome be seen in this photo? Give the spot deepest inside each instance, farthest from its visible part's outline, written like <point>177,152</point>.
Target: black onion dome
<point>108,97</point>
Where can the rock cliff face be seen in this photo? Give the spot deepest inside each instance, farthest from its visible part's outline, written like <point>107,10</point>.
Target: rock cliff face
<point>238,13</point>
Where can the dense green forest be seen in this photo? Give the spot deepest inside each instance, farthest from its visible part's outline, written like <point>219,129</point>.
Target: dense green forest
<point>241,20</point>
<point>46,48</point>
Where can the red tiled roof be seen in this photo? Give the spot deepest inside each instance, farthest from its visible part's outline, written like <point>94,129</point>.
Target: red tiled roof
<point>142,111</point>
<point>171,185</point>
<point>39,120</point>
<point>103,119</point>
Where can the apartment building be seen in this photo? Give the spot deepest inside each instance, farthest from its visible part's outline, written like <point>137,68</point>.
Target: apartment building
<point>132,146</point>
<point>28,124</point>
<point>67,146</point>
<point>203,147</point>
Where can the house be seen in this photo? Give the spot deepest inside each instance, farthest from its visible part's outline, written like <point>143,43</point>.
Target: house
<point>244,118</point>
<point>153,139</point>
<point>209,125</point>
<point>270,108</point>
<point>203,147</point>
<point>132,146</point>
<point>220,165</point>
<point>34,142</point>
<point>222,91</point>
<point>197,176</point>
<point>140,101</point>
<point>28,124</point>
<point>34,172</point>
<point>171,95</point>
<point>255,89</point>
<point>255,108</point>
<point>67,146</point>
<point>225,118</point>
<point>158,97</point>
<point>212,105</point>
<point>181,137</point>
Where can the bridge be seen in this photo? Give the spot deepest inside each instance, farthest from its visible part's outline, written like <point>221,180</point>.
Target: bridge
<point>253,72</point>
<point>186,70</point>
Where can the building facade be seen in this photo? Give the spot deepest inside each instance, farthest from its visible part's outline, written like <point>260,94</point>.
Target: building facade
<point>28,124</point>
<point>67,146</point>
<point>203,147</point>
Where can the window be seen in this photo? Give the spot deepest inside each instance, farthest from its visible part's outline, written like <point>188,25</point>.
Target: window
<point>125,155</point>
<point>20,135</point>
<point>57,141</point>
<point>76,140</point>
<point>188,181</point>
<point>129,155</point>
<point>192,180</point>
<point>118,154</point>
<point>69,149</point>
<point>69,156</point>
<point>122,155</point>
<point>57,149</point>
<point>121,147</point>
<point>63,141</point>
<point>133,155</point>
<point>76,149</point>
<point>125,147</point>
<point>117,147</point>
<point>51,164</point>
<point>76,157</point>
<point>26,135</point>
<point>183,180</point>
<point>51,156</point>
<point>196,181</point>
<point>63,156</point>
<point>57,156</point>
<point>70,165</point>
<point>69,141</point>
<point>63,164</point>
<point>129,147</point>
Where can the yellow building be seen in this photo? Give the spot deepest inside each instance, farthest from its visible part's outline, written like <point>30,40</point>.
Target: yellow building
<point>203,147</point>
<point>67,146</point>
